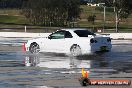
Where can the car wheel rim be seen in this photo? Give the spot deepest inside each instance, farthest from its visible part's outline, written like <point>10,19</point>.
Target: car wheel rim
<point>34,48</point>
<point>75,51</point>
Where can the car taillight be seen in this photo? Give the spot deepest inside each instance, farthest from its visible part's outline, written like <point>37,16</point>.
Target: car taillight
<point>109,40</point>
<point>93,41</point>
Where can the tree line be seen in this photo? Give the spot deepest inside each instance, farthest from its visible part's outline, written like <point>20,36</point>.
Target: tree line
<point>62,12</point>
<point>51,12</point>
<point>46,12</point>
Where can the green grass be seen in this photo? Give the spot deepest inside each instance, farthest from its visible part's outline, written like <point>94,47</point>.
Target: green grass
<point>125,24</point>
<point>11,18</point>
<point>10,11</point>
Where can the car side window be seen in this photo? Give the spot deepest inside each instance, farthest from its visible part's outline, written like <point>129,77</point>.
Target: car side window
<point>83,33</point>
<point>68,34</point>
<point>57,35</point>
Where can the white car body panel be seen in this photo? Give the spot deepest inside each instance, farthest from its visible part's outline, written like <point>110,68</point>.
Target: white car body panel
<point>63,45</point>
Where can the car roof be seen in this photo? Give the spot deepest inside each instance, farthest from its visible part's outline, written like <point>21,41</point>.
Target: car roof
<point>74,29</point>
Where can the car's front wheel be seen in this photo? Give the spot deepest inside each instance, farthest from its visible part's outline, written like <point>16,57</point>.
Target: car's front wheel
<point>34,48</point>
<point>75,50</point>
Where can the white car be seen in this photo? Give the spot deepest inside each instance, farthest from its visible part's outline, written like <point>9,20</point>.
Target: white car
<point>70,41</point>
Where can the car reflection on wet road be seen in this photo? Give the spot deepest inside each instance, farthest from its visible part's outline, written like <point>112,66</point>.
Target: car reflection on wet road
<point>19,69</point>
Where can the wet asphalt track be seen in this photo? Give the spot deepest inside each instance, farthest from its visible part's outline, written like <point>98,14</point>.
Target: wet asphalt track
<point>23,70</point>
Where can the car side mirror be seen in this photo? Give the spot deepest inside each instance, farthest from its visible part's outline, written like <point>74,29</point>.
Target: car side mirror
<point>49,37</point>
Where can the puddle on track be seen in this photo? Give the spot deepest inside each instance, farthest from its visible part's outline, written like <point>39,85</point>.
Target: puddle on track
<point>18,69</point>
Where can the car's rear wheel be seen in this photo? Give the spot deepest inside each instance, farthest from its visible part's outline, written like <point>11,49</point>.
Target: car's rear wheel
<point>34,48</point>
<point>75,50</point>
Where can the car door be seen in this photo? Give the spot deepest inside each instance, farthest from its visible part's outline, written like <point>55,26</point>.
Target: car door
<point>56,42</point>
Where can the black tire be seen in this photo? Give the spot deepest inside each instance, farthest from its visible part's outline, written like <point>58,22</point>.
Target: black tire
<point>34,48</point>
<point>75,50</point>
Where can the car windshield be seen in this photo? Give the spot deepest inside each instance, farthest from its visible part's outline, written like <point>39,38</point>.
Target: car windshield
<point>83,33</point>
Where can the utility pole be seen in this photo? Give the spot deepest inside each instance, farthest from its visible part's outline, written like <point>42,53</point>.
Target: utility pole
<point>25,28</point>
<point>104,18</point>
<point>116,17</point>
<point>116,21</point>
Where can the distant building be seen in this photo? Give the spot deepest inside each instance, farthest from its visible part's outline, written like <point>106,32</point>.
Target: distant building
<point>88,1</point>
<point>94,4</point>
